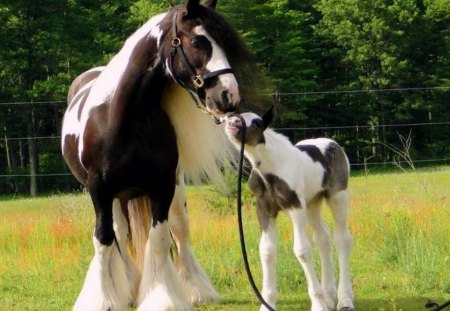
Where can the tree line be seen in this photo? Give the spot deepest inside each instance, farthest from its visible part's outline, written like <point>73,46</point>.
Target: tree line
<point>330,63</point>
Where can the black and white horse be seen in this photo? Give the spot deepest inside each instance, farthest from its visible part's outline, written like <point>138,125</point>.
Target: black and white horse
<point>296,179</point>
<point>132,133</point>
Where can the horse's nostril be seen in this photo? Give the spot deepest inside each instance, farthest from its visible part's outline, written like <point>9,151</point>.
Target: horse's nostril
<point>225,96</point>
<point>229,108</point>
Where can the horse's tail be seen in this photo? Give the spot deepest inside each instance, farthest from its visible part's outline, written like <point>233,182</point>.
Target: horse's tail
<point>139,217</point>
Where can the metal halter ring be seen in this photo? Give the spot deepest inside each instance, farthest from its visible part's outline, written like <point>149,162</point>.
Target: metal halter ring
<point>176,42</point>
<point>198,81</point>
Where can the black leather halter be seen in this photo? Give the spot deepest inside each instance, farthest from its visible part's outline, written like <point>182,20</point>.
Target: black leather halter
<point>198,81</point>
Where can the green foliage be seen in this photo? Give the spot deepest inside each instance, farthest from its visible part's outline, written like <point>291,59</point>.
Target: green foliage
<point>313,52</point>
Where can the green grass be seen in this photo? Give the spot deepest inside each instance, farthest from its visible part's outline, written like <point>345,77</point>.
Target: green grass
<point>400,258</point>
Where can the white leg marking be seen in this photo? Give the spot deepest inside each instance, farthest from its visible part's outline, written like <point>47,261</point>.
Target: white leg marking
<point>303,252</point>
<point>122,234</point>
<point>339,204</point>
<point>104,287</point>
<point>322,240</point>
<point>268,255</point>
<point>195,280</point>
<point>160,288</point>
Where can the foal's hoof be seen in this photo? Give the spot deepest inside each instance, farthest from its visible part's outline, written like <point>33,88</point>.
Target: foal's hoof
<point>345,306</point>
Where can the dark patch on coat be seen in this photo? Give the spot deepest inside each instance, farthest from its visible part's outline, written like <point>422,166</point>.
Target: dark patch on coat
<point>316,155</point>
<point>334,163</point>
<point>254,133</point>
<point>338,172</point>
<point>272,194</point>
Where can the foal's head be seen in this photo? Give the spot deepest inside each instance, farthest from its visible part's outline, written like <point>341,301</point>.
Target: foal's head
<point>255,127</point>
<point>203,49</point>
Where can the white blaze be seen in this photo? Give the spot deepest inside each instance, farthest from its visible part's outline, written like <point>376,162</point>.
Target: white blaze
<point>219,61</point>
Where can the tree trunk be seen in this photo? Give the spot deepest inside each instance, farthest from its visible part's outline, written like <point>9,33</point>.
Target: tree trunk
<point>11,161</point>
<point>8,153</point>
<point>33,154</point>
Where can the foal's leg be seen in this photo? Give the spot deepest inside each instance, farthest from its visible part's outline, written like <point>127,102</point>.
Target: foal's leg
<point>339,204</point>
<point>303,252</point>
<point>106,286</point>
<point>322,238</point>
<point>268,255</point>
<point>161,288</point>
<point>196,283</point>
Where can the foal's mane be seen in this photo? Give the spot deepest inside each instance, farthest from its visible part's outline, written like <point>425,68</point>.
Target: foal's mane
<point>276,140</point>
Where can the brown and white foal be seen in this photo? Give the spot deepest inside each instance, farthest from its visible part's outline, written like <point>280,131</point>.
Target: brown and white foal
<point>296,179</point>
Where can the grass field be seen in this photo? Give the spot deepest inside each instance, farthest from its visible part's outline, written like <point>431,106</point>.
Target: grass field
<point>400,258</point>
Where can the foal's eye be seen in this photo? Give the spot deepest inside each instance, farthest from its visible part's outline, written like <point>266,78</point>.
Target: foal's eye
<point>258,122</point>
<point>199,41</point>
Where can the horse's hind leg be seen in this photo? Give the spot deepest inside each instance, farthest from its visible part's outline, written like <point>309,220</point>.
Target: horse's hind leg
<point>196,283</point>
<point>161,288</point>
<point>106,286</point>
<point>322,239</point>
<point>339,204</point>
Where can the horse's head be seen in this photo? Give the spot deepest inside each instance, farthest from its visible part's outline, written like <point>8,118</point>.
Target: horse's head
<point>255,127</point>
<point>198,60</point>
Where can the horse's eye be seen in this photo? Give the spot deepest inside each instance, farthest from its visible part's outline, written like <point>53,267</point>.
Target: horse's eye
<point>199,41</point>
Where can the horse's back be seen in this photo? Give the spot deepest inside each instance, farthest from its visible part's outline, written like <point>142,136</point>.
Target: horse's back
<point>80,81</point>
<point>333,160</point>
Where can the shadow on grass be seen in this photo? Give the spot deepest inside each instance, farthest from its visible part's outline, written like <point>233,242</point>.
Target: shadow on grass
<point>370,304</point>
<point>399,303</point>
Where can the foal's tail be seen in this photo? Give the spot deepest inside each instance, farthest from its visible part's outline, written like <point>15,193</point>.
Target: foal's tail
<point>139,217</point>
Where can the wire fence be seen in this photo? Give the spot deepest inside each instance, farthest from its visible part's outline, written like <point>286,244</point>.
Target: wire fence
<point>330,128</point>
<point>305,93</point>
<point>362,161</point>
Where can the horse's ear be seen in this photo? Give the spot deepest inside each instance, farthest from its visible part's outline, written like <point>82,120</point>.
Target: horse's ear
<point>191,6</point>
<point>268,116</point>
<point>211,4</point>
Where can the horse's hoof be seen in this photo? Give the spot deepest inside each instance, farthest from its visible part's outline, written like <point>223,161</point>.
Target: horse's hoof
<point>345,304</point>
<point>346,308</point>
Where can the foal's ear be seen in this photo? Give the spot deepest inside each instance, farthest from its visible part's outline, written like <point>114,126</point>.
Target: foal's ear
<point>268,116</point>
<point>191,6</point>
<point>211,4</point>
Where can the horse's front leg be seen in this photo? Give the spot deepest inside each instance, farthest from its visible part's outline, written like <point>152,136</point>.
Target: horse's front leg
<point>161,288</point>
<point>195,281</point>
<point>268,255</point>
<point>303,252</point>
<point>106,286</point>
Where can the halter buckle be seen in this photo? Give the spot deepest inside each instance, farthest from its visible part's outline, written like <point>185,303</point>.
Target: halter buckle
<point>198,82</point>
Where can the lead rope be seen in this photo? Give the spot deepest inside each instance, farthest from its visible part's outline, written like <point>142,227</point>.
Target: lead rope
<point>239,214</point>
